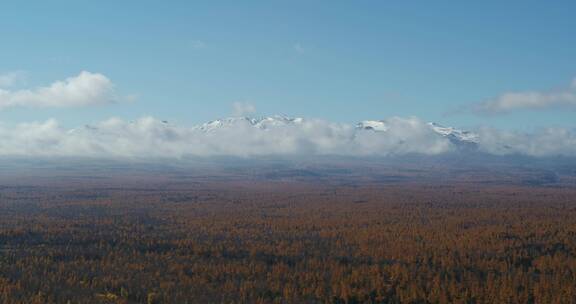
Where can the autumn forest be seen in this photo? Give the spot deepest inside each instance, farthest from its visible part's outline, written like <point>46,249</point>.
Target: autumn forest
<point>174,238</point>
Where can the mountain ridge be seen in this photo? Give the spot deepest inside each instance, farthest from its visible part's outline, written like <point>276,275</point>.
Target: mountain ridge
<point>455,135</point>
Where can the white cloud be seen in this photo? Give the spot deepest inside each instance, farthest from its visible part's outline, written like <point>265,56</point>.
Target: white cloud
<point>83,90</point>
<point>243,108</point>
<point>299,48</point>
<point>149,137</point>
<point>512,101</point>
<point>544,142</point>
<point>243,137</point>
<point>197,44</point>
<point>11,79</point>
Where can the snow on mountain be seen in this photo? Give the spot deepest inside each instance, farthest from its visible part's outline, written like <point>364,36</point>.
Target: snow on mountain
<point>456,136</point>
<point>276,121</point>
<point>275,135</point>
<point>459,138</point>
<point>262,123</point>
<point>225,123</point>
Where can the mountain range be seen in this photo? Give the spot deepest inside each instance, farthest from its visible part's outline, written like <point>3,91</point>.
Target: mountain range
<point>461,138</point>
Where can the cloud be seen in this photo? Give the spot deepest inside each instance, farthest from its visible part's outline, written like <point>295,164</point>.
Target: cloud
<point>243,108</point>
<point>513,101</point>
<point>11,79</point>
<point>83,90</point>
<point>238,136</point>
<point>544,142</point>
<point>149,137</point>
<point>197,44</point>
<point>402,136</point>
<point>299,48</point>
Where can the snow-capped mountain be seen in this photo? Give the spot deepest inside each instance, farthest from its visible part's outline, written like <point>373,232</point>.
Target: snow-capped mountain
<point>260,123</point>
<point>275,121</point>
<point>225,123</point>
<point>460,138</point>
<point>275,135</point>
<point>456,136</point>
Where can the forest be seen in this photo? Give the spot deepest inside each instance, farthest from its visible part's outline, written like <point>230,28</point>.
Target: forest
<point>181,239</point>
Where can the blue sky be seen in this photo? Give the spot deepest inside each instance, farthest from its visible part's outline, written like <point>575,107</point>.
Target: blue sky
<point>340,61</point>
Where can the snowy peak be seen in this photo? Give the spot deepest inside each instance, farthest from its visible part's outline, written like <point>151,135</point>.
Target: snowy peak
<point>260,123</point>
<point>454,134</point>
<point>276,121</point>
<point>458,137</point>
<point>225,123</point>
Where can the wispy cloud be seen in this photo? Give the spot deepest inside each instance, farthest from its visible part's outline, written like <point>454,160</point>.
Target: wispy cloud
<point>11,79</point>
<point>243,108</point>
<point>513,101</point>
<point>197,44</point>
<point>82,90</point>
<point>299,48</point>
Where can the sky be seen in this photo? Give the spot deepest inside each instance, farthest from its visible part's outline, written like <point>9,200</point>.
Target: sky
<point>506,65</point>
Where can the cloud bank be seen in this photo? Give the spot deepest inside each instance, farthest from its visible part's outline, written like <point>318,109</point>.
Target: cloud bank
<point>83,90</point>
<point>542,143</point>
<point>512,101</point>
<point>244,137</point>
